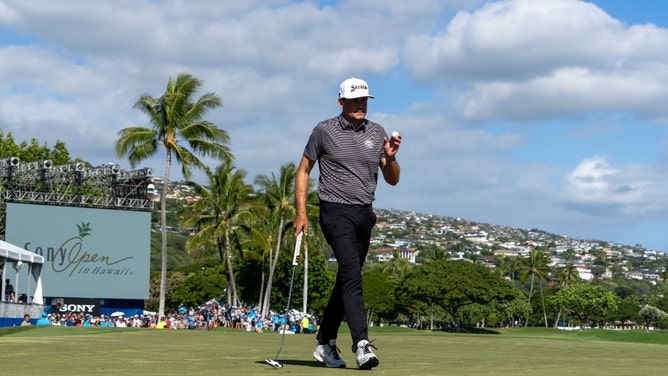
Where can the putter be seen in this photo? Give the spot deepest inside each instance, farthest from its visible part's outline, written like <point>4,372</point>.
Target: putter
<point>295,261</point>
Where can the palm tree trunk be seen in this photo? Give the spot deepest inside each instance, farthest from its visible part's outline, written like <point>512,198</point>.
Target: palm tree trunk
<point>163,232</point>
<point>270,276</point>
<point>272,268</point>
<point>262,283</point>
<point>542,298</point>
<point>230,271</point>
<point>223,263</point>
<point>259,302</point>
<point>526,322</point>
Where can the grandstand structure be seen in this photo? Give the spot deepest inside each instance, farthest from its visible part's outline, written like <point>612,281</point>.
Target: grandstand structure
<point>75,184</point>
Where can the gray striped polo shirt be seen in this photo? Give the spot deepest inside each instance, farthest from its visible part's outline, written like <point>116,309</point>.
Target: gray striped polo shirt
<point>348,160</point>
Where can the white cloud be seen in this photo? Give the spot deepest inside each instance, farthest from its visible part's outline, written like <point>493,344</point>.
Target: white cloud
<point>569,92</point>
<point>596,186</point>
<point>527,59</point>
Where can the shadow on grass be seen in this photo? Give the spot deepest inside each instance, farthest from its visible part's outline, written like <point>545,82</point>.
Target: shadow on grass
<point>294,362</point>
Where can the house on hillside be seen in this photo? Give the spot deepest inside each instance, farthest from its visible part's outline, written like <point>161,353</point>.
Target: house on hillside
<point>513,251</point>
<point>387,254</point>
<point>584,272</point>
<point>488,261</point>
<point>442,230</point>
<point>397,226</point>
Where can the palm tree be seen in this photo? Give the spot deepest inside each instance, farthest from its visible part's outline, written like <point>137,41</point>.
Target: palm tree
<point>535,265</point>
<point>260,239</point>
<point>508,266</point>
<point>398,267</point>
<point>439,254</point>
<point>223,212</point>
<point>278,195</point>
<point>569,276</point>
<point>177,124</point>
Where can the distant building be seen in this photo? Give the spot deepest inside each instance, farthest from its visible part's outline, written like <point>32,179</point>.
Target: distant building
<point>513,251</point>
<point>584,272</point>
<point>387,254</point>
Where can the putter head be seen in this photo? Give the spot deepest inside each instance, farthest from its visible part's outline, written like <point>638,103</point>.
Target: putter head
<point>274,363</point>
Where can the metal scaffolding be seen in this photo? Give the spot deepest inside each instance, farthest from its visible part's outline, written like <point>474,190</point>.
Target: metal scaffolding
<point>75,184</point>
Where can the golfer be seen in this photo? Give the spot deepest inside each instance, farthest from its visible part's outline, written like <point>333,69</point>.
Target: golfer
<point>349,150</point>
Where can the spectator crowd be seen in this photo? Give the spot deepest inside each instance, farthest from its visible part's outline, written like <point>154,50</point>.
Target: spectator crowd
<point>203,317</point>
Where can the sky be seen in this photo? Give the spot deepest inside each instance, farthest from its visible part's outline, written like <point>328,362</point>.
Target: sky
<point>544,114</point>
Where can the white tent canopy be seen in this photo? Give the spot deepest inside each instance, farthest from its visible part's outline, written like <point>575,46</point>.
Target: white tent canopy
<point>12,260</point>
<point>11,252</point>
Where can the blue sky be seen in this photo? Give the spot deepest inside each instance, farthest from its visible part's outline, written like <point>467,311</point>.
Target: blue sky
<point>545,114</point>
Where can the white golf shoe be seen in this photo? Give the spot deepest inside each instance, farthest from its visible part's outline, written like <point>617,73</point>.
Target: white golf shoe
<point>366,359</point>
<point>329,354</point>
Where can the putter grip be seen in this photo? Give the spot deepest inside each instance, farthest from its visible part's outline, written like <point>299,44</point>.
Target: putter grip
<point>298,245</point>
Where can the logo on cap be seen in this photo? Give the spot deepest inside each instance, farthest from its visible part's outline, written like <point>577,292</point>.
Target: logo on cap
<point>358,87</point>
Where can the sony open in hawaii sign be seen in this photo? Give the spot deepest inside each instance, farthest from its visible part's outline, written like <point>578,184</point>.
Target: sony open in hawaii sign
<point>88,253</point>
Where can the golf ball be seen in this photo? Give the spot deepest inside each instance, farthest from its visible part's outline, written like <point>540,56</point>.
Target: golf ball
<point>395,134</point>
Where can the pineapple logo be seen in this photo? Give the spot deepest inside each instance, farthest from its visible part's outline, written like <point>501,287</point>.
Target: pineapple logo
<point>74,258</point>
<point>84,229</point>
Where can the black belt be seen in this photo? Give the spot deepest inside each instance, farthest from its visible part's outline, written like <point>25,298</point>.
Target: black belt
<point>327,203</point>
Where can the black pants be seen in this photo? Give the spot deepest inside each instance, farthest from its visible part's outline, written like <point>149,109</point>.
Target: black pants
<point>348,231</point>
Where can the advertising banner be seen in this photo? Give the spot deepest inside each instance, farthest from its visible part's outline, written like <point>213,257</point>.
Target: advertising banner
<point>88,253</point>
<point>76,305</point>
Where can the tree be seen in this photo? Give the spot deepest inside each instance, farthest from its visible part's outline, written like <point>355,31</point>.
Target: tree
<point>587,302</point>
<point>174,280</point>
<point>378,289</point>
<point>568,276</point>
<point>33,151</point>
<point>177,124</point>
<point>321,281</point>
<point>662,302</point>
<point>451,285</point>
<point>509,265</point>
<point>649,315</point>
<point>199,286</point>
<point>535,266</point>
<point>223,212</point>
<point>258,243</point>
<point>627,310</point>
<point>398,266</point>
<point>8,147</point>
<point>568,255</point>
<point>278,195</point>
<point>513,310</point>
<point>438,254</point>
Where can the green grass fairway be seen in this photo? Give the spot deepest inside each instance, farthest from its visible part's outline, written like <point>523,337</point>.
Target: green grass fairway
<point>533,351</point>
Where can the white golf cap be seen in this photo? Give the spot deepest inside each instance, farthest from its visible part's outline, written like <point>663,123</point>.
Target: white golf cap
<point>354,88</point>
